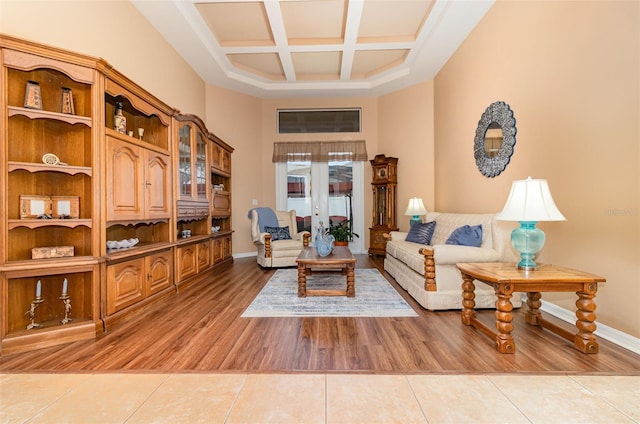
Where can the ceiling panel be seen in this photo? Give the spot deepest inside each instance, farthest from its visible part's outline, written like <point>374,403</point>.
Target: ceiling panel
<point>294,48</point>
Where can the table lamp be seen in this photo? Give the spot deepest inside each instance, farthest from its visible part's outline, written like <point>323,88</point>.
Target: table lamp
<point>415,208</point>
<point>529,202</point>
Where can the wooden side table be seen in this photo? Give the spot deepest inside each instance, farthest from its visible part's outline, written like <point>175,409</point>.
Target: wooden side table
<point>507,279</point>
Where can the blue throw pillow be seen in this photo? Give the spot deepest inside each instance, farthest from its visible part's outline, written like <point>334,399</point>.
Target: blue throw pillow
<point>278,233</point>
<point>421,233</point>
<point>466,236</point>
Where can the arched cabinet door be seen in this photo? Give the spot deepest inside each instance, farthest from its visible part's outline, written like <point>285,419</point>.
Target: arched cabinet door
<point>125,179</point>
<point>159,271</point>
<point>158,170</point>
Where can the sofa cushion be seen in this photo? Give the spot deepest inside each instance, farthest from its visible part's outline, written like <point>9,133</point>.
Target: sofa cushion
<point>448,222</point>
<point>421,233</point>
<point>278,233</point>
<point>466,236</point>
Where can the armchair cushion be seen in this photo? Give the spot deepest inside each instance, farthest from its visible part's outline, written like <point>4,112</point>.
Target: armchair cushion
<point>466,236</point>
<point>278,233</point>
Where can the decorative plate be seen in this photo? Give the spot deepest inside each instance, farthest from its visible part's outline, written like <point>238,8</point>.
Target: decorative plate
<point>50,159</point>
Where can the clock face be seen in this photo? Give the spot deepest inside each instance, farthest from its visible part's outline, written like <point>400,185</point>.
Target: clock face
<point>382,173</point>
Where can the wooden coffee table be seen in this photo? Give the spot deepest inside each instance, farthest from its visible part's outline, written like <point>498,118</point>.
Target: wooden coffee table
<point>341,258</point>
<point>507,279</point>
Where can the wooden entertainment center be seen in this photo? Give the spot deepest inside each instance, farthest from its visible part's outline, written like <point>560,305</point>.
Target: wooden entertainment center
<point>125,198</point>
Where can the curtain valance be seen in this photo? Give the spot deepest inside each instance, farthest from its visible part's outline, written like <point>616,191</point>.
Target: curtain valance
<point>319,151</point>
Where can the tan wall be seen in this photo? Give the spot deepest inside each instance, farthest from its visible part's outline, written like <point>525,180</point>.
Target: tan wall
<point>116,32</point>
<point>570,71</point>
<point>406,131</point>
<point>235,118</point>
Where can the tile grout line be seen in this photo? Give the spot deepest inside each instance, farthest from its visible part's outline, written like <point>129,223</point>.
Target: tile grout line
<point>508,398</point>
<point>235,400</point>
<point>136,409</point>
<point>601,398</point>
<point>415,396</point>
<point>53,402</point>
<point>326,399</point>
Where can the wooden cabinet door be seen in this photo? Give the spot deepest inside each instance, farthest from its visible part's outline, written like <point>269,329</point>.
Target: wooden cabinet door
<point>216,156</point>
<point>187,261</point>
<point>217,252</point>
<point>204,256</point>
<point>226,247</point>
<point>125,284</point>
<point>124,181</point>
<point>221,203</point>
<point>159,269</point>
<point>157,185</point>
<point>225,160</point>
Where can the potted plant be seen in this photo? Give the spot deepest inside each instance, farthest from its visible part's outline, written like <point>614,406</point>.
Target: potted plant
<point>342,233</point>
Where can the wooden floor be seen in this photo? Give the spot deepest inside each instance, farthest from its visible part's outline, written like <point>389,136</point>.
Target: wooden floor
<point>200,329</point>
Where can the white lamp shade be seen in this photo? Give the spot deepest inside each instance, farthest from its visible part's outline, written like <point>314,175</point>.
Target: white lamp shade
<point>415,207</point>
<point>530,200</point>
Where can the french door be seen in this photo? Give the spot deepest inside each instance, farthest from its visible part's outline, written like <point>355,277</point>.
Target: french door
<point>331,192</point>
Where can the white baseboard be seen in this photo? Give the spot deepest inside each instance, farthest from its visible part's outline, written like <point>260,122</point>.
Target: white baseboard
<point>624,340</point>
<point>245,255</point>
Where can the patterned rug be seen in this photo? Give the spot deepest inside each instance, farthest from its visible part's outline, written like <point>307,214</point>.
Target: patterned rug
<point>375,297</point>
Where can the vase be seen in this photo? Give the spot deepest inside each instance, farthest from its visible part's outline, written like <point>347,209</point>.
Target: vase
<point>323,241</point>
<point>119,120</point>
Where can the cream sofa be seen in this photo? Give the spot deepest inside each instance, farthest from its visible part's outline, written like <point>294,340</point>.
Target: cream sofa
<point>429,273</point>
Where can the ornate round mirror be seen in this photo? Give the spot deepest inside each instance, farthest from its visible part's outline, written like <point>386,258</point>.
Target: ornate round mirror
<point>495,138</point>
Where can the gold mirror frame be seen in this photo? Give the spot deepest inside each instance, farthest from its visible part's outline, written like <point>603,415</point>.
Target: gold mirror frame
<point>499,113</point>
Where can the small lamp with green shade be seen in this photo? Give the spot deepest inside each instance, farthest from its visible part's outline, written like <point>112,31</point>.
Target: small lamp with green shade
<point>415,209</point>
<point>529,202</point>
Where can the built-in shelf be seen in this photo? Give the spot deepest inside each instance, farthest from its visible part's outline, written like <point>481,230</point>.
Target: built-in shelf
<point>40,223</point>
<point>45,114</point>
<point>138,249</point>
<point>42,167</point>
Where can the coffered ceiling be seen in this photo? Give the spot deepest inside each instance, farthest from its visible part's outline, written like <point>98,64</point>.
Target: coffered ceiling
<point>314,48</point>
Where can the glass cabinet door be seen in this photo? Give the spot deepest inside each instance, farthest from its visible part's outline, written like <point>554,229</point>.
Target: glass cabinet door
<point>201,167</point>
<point>185,161</point>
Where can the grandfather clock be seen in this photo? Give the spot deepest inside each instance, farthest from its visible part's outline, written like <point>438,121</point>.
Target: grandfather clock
<point>385,179</point>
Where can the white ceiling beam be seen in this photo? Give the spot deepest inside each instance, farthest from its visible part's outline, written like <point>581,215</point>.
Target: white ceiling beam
<point>352,26</point>
<point>274,14</point>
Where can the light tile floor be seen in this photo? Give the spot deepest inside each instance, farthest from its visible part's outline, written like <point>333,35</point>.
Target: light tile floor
<point>317,398</point>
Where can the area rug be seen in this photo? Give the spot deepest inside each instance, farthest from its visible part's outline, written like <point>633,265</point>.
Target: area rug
<point>375,297</point>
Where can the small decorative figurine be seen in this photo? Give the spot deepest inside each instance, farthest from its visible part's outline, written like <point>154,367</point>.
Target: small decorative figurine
<point>32,96</point>
<point>323,241</point>
<point>67,101</point>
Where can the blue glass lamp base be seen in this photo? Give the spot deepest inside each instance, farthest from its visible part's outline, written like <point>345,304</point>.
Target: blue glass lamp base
<point>528,240</point>
<point>415,220</point>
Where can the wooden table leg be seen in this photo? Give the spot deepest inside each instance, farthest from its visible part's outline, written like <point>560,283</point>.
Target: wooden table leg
<point>351,281</point>
<point>533,316</point>
<point>468,299</point>
<point>504,316</point>
<point>585,341</point>
<point>302,281</point>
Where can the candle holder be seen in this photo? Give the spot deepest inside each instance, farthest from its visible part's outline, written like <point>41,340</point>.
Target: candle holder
<point>66,299</point>
<point>32,313</point>
<point>140,133</point>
